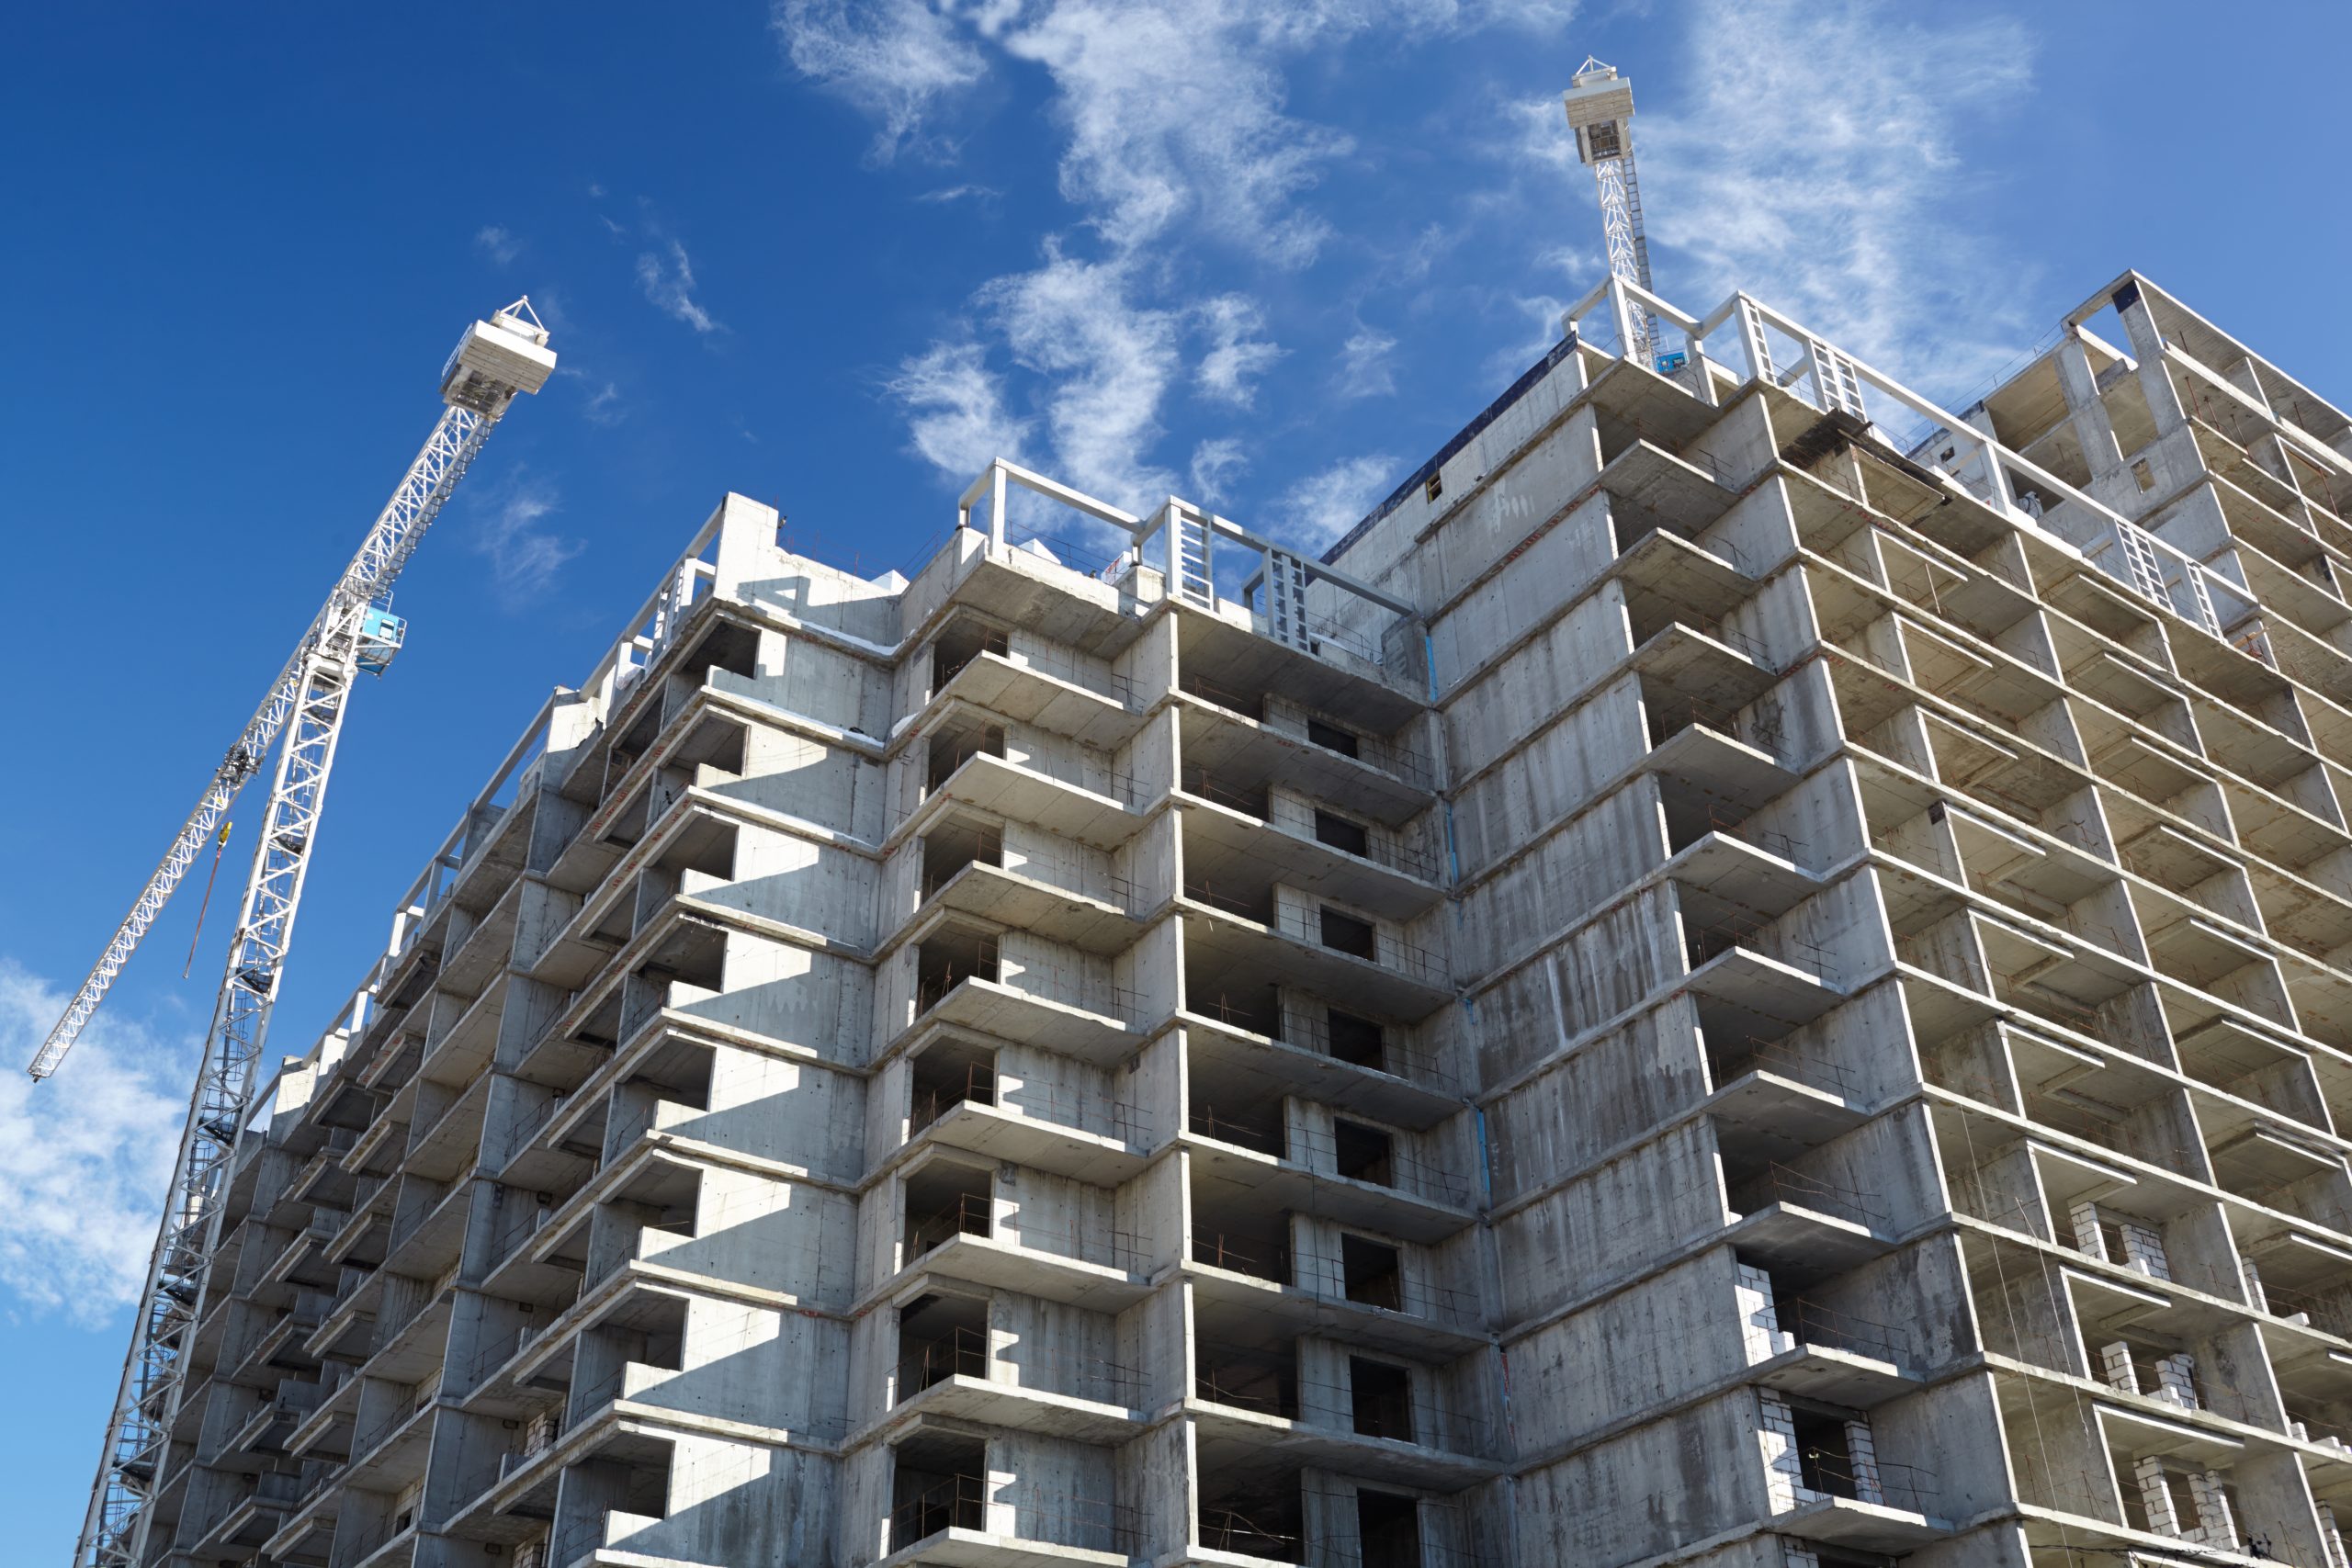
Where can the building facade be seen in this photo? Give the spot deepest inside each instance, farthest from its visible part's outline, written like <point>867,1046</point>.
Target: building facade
<point>1748,972</point>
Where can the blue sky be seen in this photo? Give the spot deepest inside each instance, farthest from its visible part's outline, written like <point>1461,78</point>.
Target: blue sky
<point>835,257</point>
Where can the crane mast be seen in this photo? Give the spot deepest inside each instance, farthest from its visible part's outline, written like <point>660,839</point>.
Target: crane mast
<point>1600,109</point>
<point>351,635</point>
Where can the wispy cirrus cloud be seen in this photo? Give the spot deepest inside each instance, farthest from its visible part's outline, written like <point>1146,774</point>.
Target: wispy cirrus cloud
<point>1237,356</point>
<point>1364,364</point>
<point>668,281</point>
<point>895,59</point>
<point>1177,142</point>
<point>85,1157</point>
<point>499,244</point>
<point>956,409</point>
<point>509,532</point>
<point>1850,208</point>
<point>1217,464</point>
<point>1105,364</point>
<point>1324,505</point>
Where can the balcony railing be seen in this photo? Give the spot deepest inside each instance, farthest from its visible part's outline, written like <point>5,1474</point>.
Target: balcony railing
<point>1397,1058</point>
<point>1811,1323</point>
<point>1262,1257</point>
<point>973,1213</point>
<point>1405,1174</point>
<point>1055,1103</point>
<point>966,1352</point>
<point>974,1503</point>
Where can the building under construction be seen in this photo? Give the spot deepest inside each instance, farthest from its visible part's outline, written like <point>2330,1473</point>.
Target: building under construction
<point>1749,973</point>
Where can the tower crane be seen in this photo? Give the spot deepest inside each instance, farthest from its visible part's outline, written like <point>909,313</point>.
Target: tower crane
<point>353,633</point>
<point>1600,111</point>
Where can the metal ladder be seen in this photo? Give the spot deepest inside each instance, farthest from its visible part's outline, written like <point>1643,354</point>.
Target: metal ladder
<point>1759,348</point>
<point>2140,559</point>
<point>1192,579</point>
<point>1287,601</point>
<point>1834,378</point>
<point>2205,615</point>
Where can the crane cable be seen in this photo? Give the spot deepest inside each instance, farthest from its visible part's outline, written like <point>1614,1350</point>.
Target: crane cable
<point>218,845</point>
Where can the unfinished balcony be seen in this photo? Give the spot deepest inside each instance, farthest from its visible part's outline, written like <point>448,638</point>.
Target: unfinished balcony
<point>967,1223</point>
<point>1296,1043</point>
<point>1255,1157</point>
<point>1252,932</point>
<point>956,1098</point>
<point>589,1461</point>
<point>1719,751</point>
<point>950,1366</point>
<point>1828,1482</point>
<point>1072,897</point>
<point>966,762</point>
<point>1259,1398</point>
<point>1245,1257</point>
<point>1806,1346</point>
<point>959,1500</point>
<point>1020,677</point>
<point>1235,823</point>
<point>1015,986</point>
<point>1385,776</point>
<point>1792,1216</point>
<point>1346,662</point>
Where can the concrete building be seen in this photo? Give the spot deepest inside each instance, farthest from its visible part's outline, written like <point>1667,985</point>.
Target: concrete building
<point>1748,972</point>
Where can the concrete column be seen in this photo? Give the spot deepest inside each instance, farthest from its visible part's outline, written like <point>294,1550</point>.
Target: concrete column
<point>2093,429</point>
<point>2148,350</point>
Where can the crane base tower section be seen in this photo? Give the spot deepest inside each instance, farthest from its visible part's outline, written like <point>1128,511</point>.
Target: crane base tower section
<point>1750,974</point>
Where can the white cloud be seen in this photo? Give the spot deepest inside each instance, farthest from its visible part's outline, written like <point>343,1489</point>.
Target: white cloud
<point>1539,314</point>
<point>85,1157</point>
<point>1365,370</point>
<point>893,59</point>
<point>602,403</point>
<point>1176,112</point>
<point>1216,463</point>
<point>1107,364</point>
<point>961,193</point>
<point>524,557</point>
<point>497,243</point>
<point>956,411</point>
<point>1178,149</point>
<point>1816,163</point>
<point>669,287</point>
<point>1322,506</point>
<point>1237,355</point>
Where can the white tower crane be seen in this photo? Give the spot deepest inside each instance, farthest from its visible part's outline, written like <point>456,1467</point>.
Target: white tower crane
<point>352,633</point>
<point>1600,111</point>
